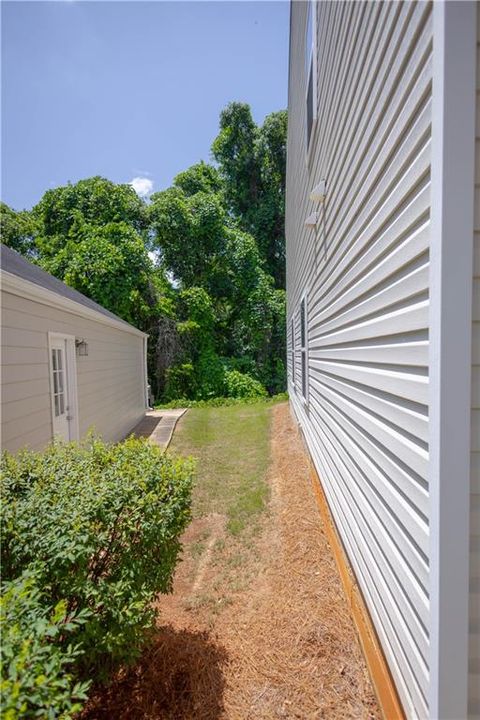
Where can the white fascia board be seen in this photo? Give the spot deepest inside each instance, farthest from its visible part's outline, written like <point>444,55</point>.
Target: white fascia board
<point>31,291</point>
<point>451,256</point>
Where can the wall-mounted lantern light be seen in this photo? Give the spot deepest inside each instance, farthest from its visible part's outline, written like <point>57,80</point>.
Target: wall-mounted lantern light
<point>81,346</point>
<point>317,195</point>
<point>311,220</point>
<point>319,191</point>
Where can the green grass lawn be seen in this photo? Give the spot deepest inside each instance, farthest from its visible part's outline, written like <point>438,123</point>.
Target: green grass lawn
<point>232,449</point>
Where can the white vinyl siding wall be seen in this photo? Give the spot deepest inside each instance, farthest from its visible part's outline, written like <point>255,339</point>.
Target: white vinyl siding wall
<point>365,269</point>
<point>474,659</point>
<point>111,394</point>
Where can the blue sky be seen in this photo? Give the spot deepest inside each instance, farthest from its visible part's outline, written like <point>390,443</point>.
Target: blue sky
<point>129,89</point>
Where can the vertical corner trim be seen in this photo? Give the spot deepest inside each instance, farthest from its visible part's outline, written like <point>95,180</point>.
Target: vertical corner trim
<point>451,252</point>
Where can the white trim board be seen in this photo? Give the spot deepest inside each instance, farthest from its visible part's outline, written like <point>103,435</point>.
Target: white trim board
<point>31,291</point>
<point>451,252</point>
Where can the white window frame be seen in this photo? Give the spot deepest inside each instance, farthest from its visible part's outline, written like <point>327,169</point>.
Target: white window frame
<point>311,70</point>
<point>71,381</point>
<point>304,375</point>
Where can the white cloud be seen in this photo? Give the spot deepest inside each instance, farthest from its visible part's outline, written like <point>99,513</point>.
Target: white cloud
<point>143,186</point>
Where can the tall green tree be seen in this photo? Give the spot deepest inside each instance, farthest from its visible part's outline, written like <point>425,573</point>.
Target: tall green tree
<point>17,230</point>
<point>252,165</point>
<point>203,247</point>
<point>92,235</point>
<point>255,317</point>
<point>188,231</point>
<point>198,371</point>
<point>109,264</point>
<point>199,178</point>
<point>95,201</point>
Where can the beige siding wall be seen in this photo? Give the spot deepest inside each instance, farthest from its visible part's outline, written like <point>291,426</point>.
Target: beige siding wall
<point>474,675</point>
<point>110,379</point>
<point>365,274</point>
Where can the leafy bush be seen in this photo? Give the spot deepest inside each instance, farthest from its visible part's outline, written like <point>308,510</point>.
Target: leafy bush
<point>180,380</point>
<point>223,401</point>
<point>99,525</point>
<point>37,655</point>
<point>239,384</point>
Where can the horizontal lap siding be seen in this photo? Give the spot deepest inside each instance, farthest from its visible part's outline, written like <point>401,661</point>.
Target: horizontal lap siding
<point>365,271</point>
<point>474,659</point>
<point>110,379</point>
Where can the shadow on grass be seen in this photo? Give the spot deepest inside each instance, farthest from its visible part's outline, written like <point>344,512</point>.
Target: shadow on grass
<point>178,677</point>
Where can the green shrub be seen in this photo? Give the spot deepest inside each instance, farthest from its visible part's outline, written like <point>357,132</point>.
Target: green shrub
<point>222,401</point>
<point>209,374</point>
<point>37,655</point>
<point>241,385</point>
<point>100,525</point>
<point>180,381</point>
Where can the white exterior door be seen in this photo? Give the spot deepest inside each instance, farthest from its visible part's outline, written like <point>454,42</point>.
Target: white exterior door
<point>63,386</point>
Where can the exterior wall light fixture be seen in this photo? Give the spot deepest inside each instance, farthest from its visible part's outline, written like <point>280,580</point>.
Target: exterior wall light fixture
<point>319,191</point>
<point>311,220</point>
<point>81,347</point>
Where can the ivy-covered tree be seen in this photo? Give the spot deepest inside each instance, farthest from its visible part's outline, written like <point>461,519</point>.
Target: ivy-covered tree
<point>199,178</point>
<point>189,232</point>
<point>94,201</point>
<point>109,264</point>
<point>202,246</point>
<point>252,165</point>
<point>256,317</point>
<point>17,230</point>
<point>198,371</point>
<point>92,235</point>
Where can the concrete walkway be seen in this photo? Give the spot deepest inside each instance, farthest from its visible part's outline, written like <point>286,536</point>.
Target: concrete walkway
<point>158,426</point>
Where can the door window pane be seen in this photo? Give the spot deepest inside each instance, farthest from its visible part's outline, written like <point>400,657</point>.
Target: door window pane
<point>58,381</point>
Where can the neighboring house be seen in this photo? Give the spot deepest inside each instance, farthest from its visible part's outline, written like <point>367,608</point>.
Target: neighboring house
<point>68,365</point>
<point>383,288</point>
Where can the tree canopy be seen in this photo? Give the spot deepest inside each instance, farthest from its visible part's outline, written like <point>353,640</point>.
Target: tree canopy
<point>252,165</point>
<point>95,201</point>
<point>188,229</point>
<point>212,299</point>
<point>18,230</point>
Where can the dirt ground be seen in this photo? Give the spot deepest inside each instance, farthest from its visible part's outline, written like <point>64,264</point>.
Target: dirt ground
<point>257,627</point>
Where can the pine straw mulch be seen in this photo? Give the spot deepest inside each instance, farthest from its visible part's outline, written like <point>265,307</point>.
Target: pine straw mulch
<point>255,629</point>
